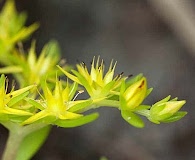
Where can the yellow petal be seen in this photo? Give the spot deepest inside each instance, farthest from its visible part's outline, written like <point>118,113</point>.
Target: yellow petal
<point>13,111</point>
<point>36,117</point>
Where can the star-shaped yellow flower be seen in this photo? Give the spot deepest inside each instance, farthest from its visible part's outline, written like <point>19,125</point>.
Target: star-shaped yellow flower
<point>97,84</point>
<point>56,105</point>
<point>7,101</point>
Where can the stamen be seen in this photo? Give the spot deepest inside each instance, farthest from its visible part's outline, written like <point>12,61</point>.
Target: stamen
<point>121,74</point>
<point>131,75</point>
<point>40,94</point>
<point>83,64</point>
<point>6,84</point>
<point>79,92</point>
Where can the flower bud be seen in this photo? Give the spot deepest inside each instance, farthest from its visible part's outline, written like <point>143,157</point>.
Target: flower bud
<point>134,95</point>
<point>166,111</point>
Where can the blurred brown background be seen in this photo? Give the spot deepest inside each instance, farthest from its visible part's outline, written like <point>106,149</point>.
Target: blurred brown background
<point>154,37</point>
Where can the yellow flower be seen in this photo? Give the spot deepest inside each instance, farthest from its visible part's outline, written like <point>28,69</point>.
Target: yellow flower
<point>12,29</point>
<point>35,68</point>
<point>30,68</point>
<point>97,84</point>
<point>56,105</point>
<point>7,101</point>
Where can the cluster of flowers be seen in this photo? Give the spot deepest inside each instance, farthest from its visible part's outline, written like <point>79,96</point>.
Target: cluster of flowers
<point>43,98</point>
<point>59,106</point>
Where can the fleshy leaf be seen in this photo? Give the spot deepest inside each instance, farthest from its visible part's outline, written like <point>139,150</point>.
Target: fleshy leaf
<point>77,122</point>
<point>72,77</point>
<point>132,119</point>
<point>156,109</point>
<point>107,88</point>
<point>73,89</point>
<point>35,103</point>
<point>163,100</point>
<point>18,98</point>
<point>84,82</point>
<point>153,120</point>
<point>24,33</point>
<point>123,103</point>
<point>148,92</point>
<point>10,69</point>
<point>177,116</point>
<point>81,105</point>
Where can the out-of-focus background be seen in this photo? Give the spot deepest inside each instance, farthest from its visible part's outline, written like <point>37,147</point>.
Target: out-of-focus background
<point>154,37</point>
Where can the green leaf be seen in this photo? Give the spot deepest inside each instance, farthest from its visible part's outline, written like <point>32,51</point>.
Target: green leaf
<point>2,81</point>
<point>18,98</point>
<point>163,100</point>
<point>153,120</point>
<point>162,117</point>
<point>73,89</point>
<point>35,103</point>
<point>53,50</point>
<point>177,116</point>
<point>174,99</point>
<point>148,92</point>
<point>123,103</point>
<point>155,109</point>
<point>32,143</point>
<point>24,33</point>
<point>132,119</point>
<point>84,82</point>
<point>123,87</point>
<point>77,122</point>
<point>107,88</point>
<point>69,75</point>
<point>81,105</point>
<point>10,69</point>
<point>17,119</point>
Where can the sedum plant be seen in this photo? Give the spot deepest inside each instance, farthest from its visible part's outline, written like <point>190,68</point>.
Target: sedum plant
<point>40,99</point>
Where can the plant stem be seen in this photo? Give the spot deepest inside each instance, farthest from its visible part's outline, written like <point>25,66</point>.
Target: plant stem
<point>109,103</point>
<point>17,134</point>
<point>145,113</point>
<point>102,103</point>
<point>12,146</point>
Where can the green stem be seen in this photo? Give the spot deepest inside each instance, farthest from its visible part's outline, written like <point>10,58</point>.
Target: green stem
<point>108,103</point>
<point>145,113</point>
<point>100,103</point>
<point>16,135</point>
<point>12,146</point>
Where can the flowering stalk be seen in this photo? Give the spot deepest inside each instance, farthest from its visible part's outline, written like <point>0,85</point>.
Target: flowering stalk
<point>126,94</point>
